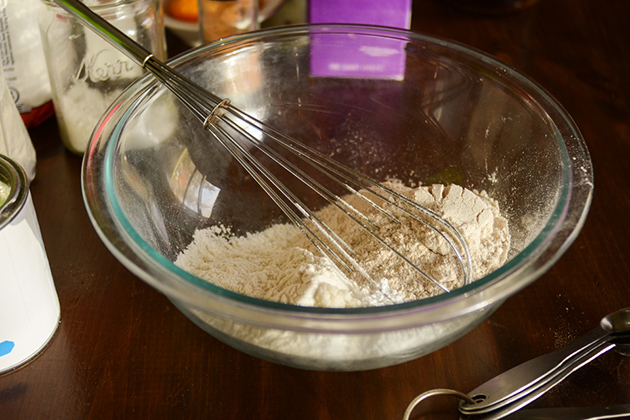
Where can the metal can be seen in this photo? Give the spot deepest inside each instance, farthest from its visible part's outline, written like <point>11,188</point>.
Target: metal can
<point>29,306</point>
<point>87,73</point>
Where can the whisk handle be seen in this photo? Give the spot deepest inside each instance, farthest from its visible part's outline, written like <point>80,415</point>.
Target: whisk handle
<point>106,30</point>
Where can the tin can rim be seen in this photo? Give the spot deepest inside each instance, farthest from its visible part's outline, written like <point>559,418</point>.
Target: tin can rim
<point>12,174</point>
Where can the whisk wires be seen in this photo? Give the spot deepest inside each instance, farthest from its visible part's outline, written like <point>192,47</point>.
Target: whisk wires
<point>221,119</point>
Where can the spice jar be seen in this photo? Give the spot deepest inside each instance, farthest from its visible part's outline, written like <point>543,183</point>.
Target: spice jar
<point>87,74</point>
<point>29,307</point>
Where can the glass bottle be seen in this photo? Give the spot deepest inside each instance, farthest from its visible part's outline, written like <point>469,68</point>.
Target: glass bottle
<point>87,73</point>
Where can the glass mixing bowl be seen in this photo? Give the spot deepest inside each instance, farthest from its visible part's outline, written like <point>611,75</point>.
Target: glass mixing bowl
<point>387,102</point>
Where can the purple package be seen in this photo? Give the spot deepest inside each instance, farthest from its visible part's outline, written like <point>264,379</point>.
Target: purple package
<point>364,56</point>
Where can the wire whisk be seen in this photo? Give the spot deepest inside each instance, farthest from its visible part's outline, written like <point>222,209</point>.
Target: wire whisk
<point>241,133</point>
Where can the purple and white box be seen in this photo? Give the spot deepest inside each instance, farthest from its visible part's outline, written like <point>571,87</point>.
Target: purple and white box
<point>363,57</point>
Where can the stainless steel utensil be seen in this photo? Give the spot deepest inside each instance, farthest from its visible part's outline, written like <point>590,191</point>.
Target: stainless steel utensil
<point>241,134</point>
<point>522,384</point>
<point>526,397</point>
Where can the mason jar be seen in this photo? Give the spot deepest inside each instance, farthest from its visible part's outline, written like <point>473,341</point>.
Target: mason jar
<point>86,72</point>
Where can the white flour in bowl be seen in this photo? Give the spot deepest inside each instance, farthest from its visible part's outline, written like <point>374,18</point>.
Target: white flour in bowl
<point>280,264</point>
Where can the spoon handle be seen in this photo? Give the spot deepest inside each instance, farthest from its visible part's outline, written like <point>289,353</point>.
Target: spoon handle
<point>499,390</point>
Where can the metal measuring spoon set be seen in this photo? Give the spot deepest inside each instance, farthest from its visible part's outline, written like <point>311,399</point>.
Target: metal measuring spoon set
<point>504,395</point>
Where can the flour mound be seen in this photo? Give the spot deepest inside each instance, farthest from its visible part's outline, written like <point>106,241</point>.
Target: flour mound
<point>280,264</point>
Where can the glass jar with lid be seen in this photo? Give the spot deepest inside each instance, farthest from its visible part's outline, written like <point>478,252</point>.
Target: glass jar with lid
<point>86,72</point>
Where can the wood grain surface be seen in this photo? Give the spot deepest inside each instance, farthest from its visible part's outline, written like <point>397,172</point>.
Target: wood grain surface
<point>123,351</point>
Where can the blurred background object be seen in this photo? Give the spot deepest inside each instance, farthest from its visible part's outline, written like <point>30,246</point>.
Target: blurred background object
<point>181,17</point>
<point>23,60</point>
<point>222,18</point>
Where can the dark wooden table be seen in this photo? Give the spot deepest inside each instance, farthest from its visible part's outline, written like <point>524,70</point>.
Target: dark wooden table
<point>123,351</point>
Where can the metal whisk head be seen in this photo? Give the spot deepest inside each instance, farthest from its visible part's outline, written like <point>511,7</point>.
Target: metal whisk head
<point>242,135</point>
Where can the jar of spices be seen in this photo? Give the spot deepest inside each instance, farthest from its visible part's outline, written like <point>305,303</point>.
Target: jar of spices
<point>87,74</point>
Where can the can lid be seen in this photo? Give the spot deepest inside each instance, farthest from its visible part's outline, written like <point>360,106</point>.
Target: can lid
<point>13,189</point>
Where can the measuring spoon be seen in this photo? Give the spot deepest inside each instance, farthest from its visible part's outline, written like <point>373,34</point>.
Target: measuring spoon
<point>538,388</point>
<point>508,407</point>
<point>512,384</point>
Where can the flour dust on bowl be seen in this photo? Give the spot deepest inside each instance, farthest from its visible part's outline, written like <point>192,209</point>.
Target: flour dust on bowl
<point>391,104</point>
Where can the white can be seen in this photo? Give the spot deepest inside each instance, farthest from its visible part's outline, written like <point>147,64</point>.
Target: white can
<point>29,307</point>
